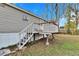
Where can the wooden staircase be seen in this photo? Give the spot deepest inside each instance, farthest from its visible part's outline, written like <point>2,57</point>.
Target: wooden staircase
<point>25,36</point>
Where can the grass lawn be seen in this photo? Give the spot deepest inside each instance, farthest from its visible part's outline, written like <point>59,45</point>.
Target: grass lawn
<point>64,45</point>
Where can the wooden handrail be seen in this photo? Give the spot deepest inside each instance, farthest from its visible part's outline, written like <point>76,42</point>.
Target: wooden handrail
<point>25,28</point>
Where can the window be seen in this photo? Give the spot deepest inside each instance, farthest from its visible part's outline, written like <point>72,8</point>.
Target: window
<point>25,18</point>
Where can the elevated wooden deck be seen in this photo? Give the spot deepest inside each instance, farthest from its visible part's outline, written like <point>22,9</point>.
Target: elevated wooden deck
<point>45,28</point>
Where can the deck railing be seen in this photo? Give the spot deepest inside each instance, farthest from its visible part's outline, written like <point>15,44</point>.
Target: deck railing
<point>45,28</point>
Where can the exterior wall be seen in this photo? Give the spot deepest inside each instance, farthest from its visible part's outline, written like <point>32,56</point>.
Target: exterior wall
<point>11,23</point>
<point>11,20</point>
<point>8,39</point>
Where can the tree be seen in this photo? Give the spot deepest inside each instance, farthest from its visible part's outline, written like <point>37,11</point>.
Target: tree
<point>68,15</point>
<point>76,16</point>
<point>72,27</point>
<point>57,14</point>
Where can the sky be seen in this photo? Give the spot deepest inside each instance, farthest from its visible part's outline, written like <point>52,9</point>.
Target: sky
<point>62,22</point>
<point>39,10</point>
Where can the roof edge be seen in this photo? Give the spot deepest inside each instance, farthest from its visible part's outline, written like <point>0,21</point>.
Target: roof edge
<point>22,10</point>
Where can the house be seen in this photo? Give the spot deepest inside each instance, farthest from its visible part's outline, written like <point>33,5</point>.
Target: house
<point>17,26</point>
<point>73,20</point>
<point>75,17</point>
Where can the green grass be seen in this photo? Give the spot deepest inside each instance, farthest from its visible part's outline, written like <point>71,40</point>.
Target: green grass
<point>63,46</point>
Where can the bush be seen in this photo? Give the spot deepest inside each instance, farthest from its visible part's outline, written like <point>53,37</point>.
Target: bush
<point>70,28</point>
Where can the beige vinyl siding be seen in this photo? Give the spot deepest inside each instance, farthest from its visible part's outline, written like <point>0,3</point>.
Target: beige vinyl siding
<point>11,19</point>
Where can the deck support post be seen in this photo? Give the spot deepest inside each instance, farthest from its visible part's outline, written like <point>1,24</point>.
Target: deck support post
<point>34,37</point>
<point>53,37</point>
<point>47,40</point>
